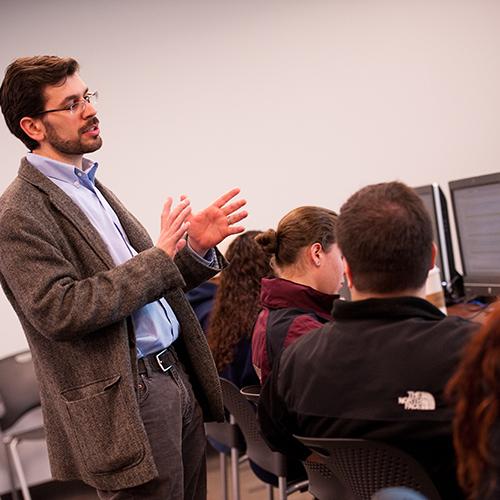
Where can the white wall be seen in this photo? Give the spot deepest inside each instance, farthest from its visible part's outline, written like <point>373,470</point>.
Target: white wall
<point>294,101</point>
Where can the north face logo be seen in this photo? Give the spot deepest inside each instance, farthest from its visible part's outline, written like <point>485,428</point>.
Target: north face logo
<point>417,400</point>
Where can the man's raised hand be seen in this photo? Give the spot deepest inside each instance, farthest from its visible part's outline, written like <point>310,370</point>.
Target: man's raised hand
<point>210,226</point>
<point>174,225</point>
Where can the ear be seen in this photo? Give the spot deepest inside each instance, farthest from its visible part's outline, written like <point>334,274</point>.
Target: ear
<point>33,128</point>
<point>347,272</point>
<point>434,255</point>
<point>315,251</point>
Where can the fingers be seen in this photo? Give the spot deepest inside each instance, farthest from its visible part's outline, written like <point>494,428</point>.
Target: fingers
<point>232,207</point>
<point>180,245</point>
<point>181,231</point>
<point>235,218</point>
<point>174,225</point>
<point>174,218</point>
<point>166,208</point>
<point>234,230</point>
<point>220,202</point>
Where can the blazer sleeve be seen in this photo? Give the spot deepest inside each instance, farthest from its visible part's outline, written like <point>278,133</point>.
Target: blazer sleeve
<point>50,291</point>
<point>196,270</point>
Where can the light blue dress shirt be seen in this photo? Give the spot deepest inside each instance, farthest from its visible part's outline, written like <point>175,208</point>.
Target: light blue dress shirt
<point>155,324</point>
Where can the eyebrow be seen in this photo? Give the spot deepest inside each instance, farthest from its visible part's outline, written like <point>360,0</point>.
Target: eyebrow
<point>73,97</point>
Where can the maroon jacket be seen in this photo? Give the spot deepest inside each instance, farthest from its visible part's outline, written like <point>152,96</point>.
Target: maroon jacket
<point>290,310</point>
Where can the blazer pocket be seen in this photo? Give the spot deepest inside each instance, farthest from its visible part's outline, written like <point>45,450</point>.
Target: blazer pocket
<point>102,426</point>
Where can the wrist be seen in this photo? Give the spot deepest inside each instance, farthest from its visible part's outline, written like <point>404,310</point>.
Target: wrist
<point>195,247</point>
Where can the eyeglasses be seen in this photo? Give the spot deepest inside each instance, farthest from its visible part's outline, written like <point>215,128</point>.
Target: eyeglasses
<point>76,106</point>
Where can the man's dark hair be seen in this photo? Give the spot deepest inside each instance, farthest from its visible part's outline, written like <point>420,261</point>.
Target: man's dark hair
<point>21,92</point>
<point>385,234</point>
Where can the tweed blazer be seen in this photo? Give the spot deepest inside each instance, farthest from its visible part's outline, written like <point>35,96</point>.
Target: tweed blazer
<point>74,305</point>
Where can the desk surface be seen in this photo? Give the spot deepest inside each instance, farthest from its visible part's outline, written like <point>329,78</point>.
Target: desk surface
<point>474,312</point>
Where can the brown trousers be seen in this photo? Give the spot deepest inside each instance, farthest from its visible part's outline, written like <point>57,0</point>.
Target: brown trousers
<point>174,425</point>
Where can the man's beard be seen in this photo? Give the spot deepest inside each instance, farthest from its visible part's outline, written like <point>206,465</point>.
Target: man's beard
<point>72,146</point>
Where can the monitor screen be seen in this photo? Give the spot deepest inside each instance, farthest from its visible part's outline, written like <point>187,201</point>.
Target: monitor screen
<point>426,194</point>
<point>476,205</point>
<point>435,203</point>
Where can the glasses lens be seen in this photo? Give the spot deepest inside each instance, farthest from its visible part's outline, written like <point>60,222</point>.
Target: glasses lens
<point>77,107</point>
<point>92,97</point>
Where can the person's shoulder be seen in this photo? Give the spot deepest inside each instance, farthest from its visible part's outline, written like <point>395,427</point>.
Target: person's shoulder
<point>303,321</point>
<point>314,342</point>
<point>293,317</point>
<point>451,334</point>
<point>300,360</point>
<point>458,325</point>
<point>16,195</point>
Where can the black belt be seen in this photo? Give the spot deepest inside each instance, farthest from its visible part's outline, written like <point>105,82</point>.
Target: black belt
<point>160,361</point>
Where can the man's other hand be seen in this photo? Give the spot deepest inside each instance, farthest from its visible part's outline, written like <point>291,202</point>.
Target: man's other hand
<point>210,226</point>
<point>174,225</point>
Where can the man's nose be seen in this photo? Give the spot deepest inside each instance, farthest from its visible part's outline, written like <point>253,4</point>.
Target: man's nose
<point>89,111</point>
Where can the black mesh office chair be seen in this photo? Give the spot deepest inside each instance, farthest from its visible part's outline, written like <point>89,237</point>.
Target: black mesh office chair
<point>257,449</point>
<point>19,394</point>
<point>251,392</point>
<point>363,467</point>
<point>227,439</point>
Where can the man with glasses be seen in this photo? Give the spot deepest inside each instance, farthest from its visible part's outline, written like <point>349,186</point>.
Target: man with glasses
<point>124,369</point>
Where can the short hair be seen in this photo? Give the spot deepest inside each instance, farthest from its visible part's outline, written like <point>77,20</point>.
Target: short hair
<point>385,234</point>
<point>21,92</point>
<point>298,229</point>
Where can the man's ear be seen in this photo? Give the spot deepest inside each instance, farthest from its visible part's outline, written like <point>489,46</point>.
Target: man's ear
<point>347,272</point>
<point>33,128</point>
<point>434,255</point>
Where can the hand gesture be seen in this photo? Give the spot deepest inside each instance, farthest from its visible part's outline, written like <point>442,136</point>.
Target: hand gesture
<point>210,226</point>
<point>174,225</point>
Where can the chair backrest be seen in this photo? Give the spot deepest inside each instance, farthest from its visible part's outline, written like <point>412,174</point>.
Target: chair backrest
<point>18,388</point>
<point>365,467</point>
<point>251,392</point>
<point>244,413</point>
<point>226,433</point>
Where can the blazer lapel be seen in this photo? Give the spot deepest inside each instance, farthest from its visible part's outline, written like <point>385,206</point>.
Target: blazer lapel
<point>68,209</point>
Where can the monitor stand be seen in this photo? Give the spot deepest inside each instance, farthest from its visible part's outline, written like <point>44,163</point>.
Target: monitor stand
<point>454,292</point>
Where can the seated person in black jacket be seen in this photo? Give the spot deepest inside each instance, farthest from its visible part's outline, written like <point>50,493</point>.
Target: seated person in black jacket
<point>378,370</point>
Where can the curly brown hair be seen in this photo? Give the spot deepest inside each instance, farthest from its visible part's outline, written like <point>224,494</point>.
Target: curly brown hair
<point>475,391</point>
<point>237,302</point>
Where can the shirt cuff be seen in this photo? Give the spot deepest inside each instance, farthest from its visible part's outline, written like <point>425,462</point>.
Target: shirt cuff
<point>209,259</point>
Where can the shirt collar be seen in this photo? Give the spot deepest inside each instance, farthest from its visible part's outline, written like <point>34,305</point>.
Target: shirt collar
<point>389,309</point>
<point>64,172</point>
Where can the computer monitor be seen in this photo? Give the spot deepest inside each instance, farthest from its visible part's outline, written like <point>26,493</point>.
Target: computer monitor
<point>476,206</point>
<point>435,202</point>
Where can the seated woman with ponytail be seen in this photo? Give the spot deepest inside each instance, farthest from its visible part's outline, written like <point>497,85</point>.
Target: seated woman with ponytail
<point>309,274</point>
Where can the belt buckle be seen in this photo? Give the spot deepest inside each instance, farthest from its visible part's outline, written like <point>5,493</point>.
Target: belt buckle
<point>160,362</point>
